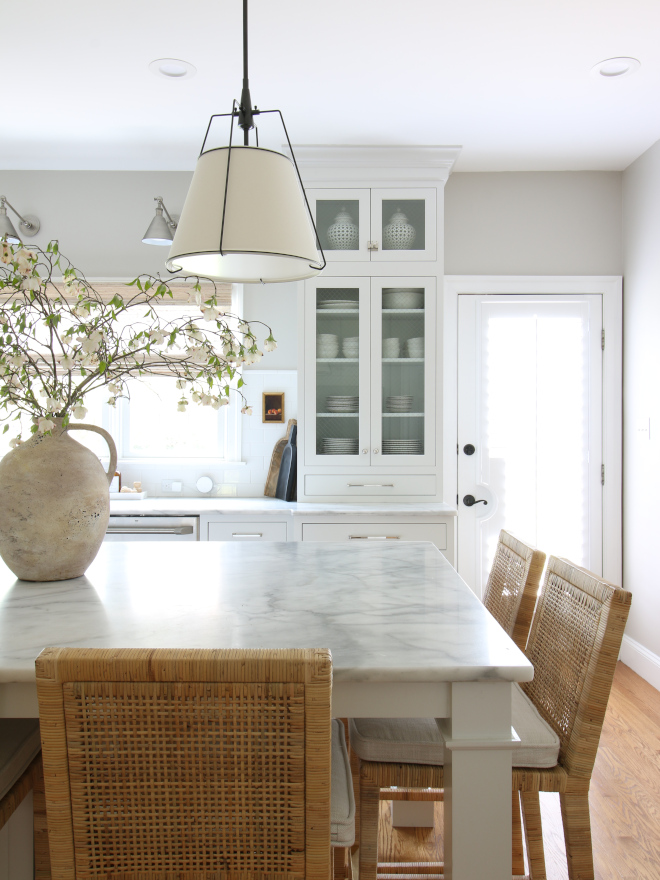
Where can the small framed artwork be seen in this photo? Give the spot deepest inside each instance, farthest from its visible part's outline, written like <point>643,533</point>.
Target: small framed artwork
<point>273,406</point>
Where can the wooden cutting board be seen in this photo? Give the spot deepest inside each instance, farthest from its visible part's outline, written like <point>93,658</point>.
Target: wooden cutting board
<point>275,461</point>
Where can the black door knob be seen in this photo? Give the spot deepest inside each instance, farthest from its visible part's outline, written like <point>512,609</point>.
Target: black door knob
<point>469,449</point>
<point>470,500</point>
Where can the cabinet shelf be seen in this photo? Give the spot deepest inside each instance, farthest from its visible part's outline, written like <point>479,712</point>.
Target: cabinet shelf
<point>403,360</point>
<point>408,415</point>
<point>322,415</point>
<point>353,312</point>
<point>336,360</point>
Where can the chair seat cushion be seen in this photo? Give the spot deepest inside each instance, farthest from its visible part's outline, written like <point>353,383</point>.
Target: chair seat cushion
<point>419,741</point>
<point>342,800</point>
<point>20,742</point>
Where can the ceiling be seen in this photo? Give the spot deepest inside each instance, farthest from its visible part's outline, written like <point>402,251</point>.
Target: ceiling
<point>509,81</point>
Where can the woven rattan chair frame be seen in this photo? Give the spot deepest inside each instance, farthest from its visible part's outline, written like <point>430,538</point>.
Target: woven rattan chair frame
<point>574,645</point>
<point>510,596</point>
<point>192,764</point>
<point>513,585</point>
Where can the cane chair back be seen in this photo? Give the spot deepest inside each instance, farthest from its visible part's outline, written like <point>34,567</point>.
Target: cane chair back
<point>574,646</point>
<point>165,763</point>
<point>513,584</point>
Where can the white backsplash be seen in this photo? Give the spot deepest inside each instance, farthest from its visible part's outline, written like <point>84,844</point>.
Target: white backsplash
<point>246,479</point>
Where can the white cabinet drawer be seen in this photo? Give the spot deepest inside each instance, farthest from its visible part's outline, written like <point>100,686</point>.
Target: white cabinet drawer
<point>349,486</point>
<point>247,531</point>
<point>360,532</point>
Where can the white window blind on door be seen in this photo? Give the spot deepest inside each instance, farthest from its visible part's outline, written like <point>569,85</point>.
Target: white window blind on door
<point>538,421</point>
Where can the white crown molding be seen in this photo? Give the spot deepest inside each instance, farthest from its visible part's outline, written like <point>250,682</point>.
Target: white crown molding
<point>330,162</point>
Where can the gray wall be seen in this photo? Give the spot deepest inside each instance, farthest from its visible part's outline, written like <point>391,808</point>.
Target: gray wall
<point>641,372</point>
<point>533,223</point>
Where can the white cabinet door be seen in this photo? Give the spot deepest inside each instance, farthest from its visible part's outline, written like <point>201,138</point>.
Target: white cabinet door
<point>343,222</point>
<point>403,371</point>
<point>337,372</point>
<point>404,224</point>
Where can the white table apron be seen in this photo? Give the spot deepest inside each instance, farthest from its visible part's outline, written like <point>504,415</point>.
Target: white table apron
<point>408,638</point>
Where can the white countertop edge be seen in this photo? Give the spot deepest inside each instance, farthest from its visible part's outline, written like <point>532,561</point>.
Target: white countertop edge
<point>272,507</point>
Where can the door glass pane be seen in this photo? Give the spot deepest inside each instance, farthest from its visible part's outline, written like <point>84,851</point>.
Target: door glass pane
<point>535,387</point>
<point>404,226</point>
<point>338,224</point>
<point>337,370</point>
<point>403,349</point>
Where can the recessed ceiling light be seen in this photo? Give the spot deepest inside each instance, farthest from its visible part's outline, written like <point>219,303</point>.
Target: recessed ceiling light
<point>613,67</point>
<point>172,68</point>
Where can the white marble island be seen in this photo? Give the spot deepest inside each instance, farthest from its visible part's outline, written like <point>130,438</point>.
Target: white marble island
<point>408,638</point>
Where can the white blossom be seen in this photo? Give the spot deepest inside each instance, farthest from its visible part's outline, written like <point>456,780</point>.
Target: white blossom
<point>247,410</point>
<point>181,384</point>
<point>44,424</point>
<point>17,360</point>
<point>113,388</point>
<point>215,403</point>
<point>182,404</point>
<point>79,412</point>
<point>210,314</point>
<point>196,396</point>
<point>157,337</point>
<point>256,356</point>
<point>15,442</point>
<point>5,254</point>
<point>206,400</point>
<point>67,362</point>
<point>270,344</point>
<point>32,283</point>
<point>54,404</point>
<point>243,327</point>
<point>112,401</point>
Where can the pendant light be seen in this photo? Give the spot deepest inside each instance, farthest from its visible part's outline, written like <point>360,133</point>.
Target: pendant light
<point>246,217</point>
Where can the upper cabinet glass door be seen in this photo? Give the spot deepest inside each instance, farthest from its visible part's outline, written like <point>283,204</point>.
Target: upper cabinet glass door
<point>343,222</point>
<point>403,224</point>
<point>403,384</point>
<point>337,364</point>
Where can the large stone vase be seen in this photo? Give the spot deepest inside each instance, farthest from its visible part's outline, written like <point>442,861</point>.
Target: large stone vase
<point>54,504</point>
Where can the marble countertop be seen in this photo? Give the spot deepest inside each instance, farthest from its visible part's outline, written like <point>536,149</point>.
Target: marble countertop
<point>395,613</point>
<point>270,507</point>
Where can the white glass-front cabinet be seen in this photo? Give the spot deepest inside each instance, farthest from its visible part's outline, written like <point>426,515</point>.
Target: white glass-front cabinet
<point>381,225</point>
<point>369,387</point>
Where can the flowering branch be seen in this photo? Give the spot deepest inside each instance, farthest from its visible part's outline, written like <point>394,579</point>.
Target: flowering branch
<point>58,345</point>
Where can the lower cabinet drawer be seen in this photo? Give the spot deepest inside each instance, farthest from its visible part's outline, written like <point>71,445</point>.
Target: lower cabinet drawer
<point>359,532</point>
<point>378,486</point>
<point>247,531</point>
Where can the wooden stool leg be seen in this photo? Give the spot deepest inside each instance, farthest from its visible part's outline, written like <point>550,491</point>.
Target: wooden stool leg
<point>531,812</point>
<point>517,859</point>
<point>577,834</point>
<point>369,813</point>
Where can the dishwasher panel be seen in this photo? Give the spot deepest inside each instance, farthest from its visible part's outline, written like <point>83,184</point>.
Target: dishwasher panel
<point>153,528</point>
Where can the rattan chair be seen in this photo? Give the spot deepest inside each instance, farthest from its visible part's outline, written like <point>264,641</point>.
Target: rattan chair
<point>409,753</point>
<point>165,763</point>
<point>574,646</point>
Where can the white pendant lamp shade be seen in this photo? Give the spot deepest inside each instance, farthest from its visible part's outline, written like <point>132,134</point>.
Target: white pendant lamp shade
<point>268,234</point>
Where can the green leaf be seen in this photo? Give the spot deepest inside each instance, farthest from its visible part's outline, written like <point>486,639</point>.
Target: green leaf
<point>240,383</point>
<point>5,429</point>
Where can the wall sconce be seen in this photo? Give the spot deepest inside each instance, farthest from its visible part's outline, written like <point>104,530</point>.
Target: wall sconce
<point>29,225</point>
<point>161,231</point>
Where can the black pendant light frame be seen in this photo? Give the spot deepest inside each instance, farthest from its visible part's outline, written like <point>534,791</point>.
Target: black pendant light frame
<point>245,113</point>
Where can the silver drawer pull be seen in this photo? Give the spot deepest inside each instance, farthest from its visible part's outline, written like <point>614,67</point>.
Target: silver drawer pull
<point>370,485</point>
<point>155,530</point>
<point>247,535</point>
<point>374,538</point>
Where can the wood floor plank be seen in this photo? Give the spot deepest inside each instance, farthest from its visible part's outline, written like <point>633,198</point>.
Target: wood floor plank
<point>624,799</point>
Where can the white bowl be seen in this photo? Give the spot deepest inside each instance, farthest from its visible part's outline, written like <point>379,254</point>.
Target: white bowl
<point>403,299</point>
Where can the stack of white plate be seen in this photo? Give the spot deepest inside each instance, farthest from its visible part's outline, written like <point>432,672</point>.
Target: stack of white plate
<point>402,403</point>
<point>415,347</point>
<point>342,403</point>
<point>340,446</point>
<point>351,346</point>
<point>391,347</point>
<point>402,447</point>
<point>403,298</point>
<point>327,345</point>
<point>339,304</point>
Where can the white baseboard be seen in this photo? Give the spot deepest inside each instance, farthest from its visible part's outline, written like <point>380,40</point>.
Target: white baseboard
<point>641,660</point>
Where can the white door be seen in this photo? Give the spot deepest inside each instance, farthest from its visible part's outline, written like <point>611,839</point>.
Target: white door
<point>529,427</point>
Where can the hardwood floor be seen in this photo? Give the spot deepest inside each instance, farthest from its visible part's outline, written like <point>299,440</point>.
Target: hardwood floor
<point>624,799</point>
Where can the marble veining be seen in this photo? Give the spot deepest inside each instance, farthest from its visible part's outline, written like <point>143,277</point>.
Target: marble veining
<point>388,612</point>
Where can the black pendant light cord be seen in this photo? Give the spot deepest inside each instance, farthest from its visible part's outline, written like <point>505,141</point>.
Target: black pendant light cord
<point>246,112</point>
